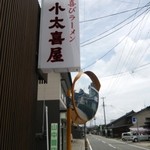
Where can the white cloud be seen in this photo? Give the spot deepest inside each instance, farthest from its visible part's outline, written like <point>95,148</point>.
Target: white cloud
<point>122,73</point>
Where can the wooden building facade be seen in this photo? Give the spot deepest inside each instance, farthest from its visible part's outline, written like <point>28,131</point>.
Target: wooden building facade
<point>19,26</point>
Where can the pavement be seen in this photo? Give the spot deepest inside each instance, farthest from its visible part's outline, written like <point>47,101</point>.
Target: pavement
<point>78,144</point>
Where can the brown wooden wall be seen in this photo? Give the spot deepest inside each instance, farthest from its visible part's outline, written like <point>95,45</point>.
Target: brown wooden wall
<point>19,23</point>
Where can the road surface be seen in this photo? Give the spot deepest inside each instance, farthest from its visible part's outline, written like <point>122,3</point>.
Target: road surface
<point>97,142</point>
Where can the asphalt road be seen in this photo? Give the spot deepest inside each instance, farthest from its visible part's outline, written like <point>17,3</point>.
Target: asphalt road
<point>101,143</point>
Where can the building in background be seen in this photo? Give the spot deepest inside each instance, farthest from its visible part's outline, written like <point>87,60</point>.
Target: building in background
<point>141,121</point>
<point>138,122</point>
<point>120,125</point>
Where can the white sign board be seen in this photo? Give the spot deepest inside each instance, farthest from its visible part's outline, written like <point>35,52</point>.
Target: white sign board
<point>59,36</point>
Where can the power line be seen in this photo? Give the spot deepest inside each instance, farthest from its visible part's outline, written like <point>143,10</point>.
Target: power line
<point>111,29</point>
<point>102,17</point>
<point>128,2</point>
<point>133,47</point>
<point>112,47</point>
<point>138,68</point>
<point>125,60</point>
<point>142,54</point>
<point>121,73</point>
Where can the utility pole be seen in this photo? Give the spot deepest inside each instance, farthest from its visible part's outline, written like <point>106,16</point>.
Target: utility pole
<point>104,110</point>
<point>104,116</point>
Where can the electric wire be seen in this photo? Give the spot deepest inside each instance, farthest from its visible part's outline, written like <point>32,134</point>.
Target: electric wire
<point>111,15</point>
<point>132,49</point>
<point>128,2</point>
<point>120,63</point>
<point>110,50</point>
<point>85,42</point>
<point>125,72</point>
<point>84,68</point>
<point>142,66</point>
<point>143,53</point>
<point>117,24</point>
<point>137,56</point>
<point>138,60</point>
<point>130,31</point>
<point>124,63</point>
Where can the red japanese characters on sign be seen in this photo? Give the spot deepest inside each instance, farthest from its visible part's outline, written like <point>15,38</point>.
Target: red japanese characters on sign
<point>59,48</point>
<point>56,37</point>
<point>72,9</point>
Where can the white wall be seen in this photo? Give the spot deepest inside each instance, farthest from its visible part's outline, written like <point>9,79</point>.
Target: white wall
<point>51,90</point>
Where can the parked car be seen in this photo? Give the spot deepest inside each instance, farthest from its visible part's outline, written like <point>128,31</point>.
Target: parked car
<point>127,136</point>
<point>140,137</point>
<point>135,137</point>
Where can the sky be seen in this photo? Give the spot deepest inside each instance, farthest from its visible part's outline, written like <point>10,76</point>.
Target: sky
<point>115,46</point>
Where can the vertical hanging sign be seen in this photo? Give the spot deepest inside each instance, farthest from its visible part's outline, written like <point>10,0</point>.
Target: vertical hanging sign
<point>59,36</point>
<point>54,136</point>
